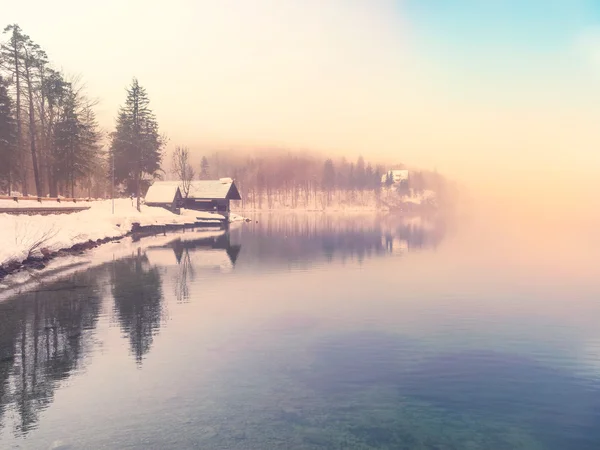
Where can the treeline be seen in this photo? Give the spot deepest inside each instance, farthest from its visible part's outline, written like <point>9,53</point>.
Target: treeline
<point>50,141</point>
<point>294,175</point>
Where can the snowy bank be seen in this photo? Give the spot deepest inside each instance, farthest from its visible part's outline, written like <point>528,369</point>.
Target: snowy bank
<point>60,267</point>
<point>34,236</point>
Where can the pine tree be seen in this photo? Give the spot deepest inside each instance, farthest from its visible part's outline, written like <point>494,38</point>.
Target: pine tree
<point>67,141</point>
<point>7,137</point>
<point>328,183</point>
<point>32,58</point>
<point>136,144</point>
<point>55,91</point>
<point>369,177</point>
<point>389,180</point>
<point>12,53</point>
<point>204,169</point>
<point>76,142</point>
<point>351,178</point>
<point>360,173</point>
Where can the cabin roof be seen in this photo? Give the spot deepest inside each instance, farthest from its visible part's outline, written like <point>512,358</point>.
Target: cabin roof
<point>224,188</point>
<point>162,193</point>
<point>221,189</point>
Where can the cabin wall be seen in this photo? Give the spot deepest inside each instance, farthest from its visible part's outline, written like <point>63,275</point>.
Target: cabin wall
<point>173,207</point>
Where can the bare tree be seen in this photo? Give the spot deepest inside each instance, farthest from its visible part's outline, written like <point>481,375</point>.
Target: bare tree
<point>183,169</point>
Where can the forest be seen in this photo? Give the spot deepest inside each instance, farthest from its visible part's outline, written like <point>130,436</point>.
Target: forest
<point>51,145</point>
<point>275,178</point>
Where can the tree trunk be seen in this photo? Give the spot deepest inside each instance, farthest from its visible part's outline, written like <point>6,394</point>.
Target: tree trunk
<point>45,148</point>
<point>18,114</point>
<point>9,178</point>
<point>34,160</point>
<point>24,173</point>
<point>138,189</point>
<point>51,181</point>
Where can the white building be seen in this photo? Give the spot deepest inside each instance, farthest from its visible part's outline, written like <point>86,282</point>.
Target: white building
<point>398,175</point>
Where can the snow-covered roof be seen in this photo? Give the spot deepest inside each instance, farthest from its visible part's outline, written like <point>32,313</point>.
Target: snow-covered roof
<point>207,189</point>
<point>162,192</point>
<point>221,189</point>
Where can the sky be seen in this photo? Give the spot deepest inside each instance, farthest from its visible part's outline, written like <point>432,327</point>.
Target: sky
<point>498,94</point>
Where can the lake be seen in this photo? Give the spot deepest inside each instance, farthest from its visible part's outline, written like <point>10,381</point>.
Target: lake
<point>311,331</point>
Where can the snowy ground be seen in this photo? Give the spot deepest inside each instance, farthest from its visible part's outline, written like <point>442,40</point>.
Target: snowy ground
<point>60,267</point>
<point>24,236</point>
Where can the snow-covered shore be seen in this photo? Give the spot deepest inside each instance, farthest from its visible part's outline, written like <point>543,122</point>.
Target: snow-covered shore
<point>58,268</point>
<point>33,236</point>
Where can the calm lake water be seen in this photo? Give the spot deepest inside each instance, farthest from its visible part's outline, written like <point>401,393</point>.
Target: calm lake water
<point>312,332</point>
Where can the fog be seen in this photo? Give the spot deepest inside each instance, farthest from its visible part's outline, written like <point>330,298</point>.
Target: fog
<point>486,93</point>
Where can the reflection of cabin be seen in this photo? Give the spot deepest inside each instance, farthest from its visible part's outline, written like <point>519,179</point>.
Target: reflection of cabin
<point>203,195</point>
<point>164,195</point>
<point>196,251</point>
<point>221,242</point>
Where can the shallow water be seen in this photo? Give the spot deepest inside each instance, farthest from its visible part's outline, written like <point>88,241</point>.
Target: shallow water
<point>311,331</point>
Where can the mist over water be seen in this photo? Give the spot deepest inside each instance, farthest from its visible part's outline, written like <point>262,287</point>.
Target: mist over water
<point>315,331</point>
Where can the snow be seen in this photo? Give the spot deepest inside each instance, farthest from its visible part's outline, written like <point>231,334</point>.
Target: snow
<point>25,236</point>
<point>161,193</point>
<point>203,189</point>
<point>419,199</point>
<point>236,218</point>
<point>60,267</point>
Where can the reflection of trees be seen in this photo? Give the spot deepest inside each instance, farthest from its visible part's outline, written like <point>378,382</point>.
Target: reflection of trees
<point>137,291</point>
<point>419,236</point>
<point>297,238</point>
<point>186,271</point>
<point>43,336</point>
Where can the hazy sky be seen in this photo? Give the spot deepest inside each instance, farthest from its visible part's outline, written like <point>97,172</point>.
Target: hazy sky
<point>488,90</point>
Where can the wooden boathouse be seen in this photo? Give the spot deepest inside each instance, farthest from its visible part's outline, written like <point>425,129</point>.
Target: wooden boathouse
<point>212,196</point>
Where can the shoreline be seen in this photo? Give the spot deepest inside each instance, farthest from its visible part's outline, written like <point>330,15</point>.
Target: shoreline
<point>137,232</point>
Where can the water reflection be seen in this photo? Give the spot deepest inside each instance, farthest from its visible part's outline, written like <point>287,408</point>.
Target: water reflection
<point>137,293</point>
<point>277,238</point>
<point>192,253</point>
<point>43,337</point>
